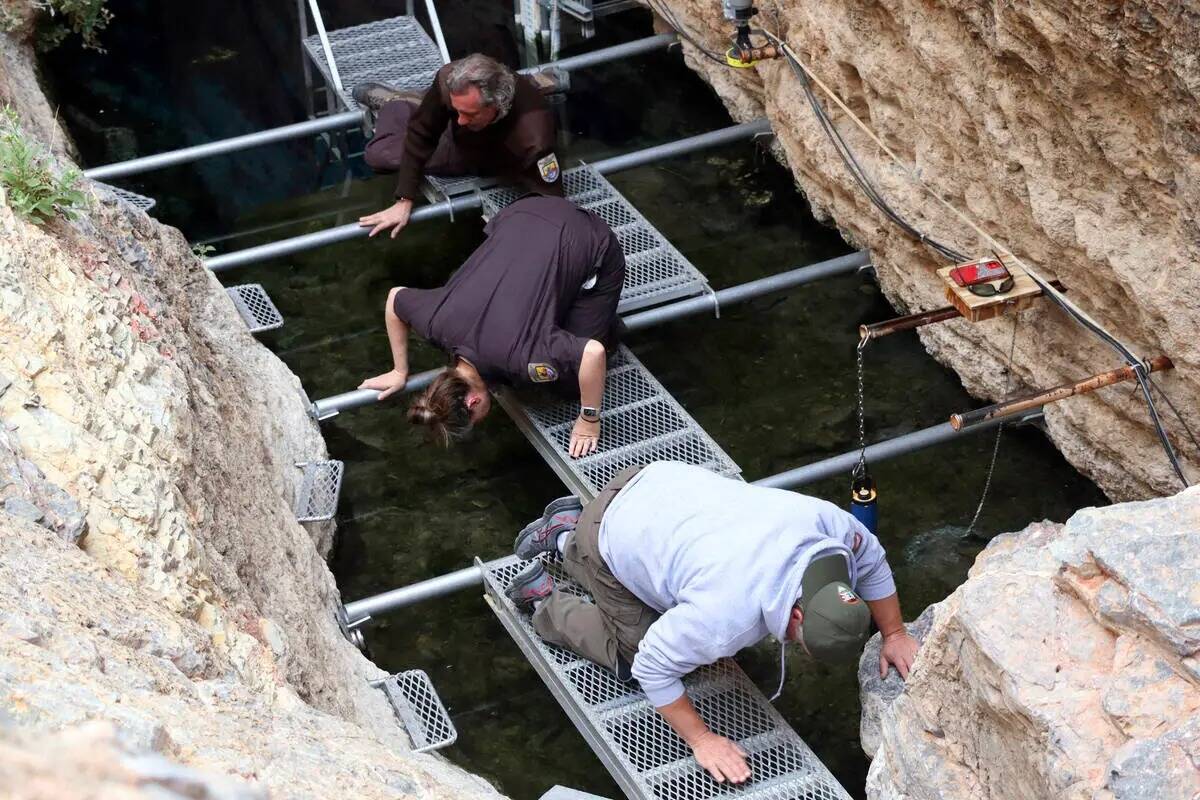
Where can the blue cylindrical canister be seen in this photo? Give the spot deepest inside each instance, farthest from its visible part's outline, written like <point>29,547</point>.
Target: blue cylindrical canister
<point>862,502</point>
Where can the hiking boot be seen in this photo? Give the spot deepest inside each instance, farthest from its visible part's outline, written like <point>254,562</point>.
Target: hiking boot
<point>530,585</point>
<point>541,535</point>
<point>377,95</point>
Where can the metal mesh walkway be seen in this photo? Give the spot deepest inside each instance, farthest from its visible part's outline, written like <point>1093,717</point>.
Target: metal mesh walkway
<point>436,188</point>
<point>420,710</point>
<point>655,272</point>
<point>645,757</point>
<point>640,423</point>
<point>394,51</point>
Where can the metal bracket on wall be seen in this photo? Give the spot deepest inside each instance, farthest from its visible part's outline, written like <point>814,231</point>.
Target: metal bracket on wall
<point>320,487</point>
<point>255,307</point>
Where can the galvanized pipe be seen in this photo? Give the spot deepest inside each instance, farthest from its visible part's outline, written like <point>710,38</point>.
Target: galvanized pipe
<point>882,451</point>
<point>414,593</point>
<point>330,406</point>
<point>252,255</point>
<point>334,122</point>
<point>343,120</point>
<point>828,468</point>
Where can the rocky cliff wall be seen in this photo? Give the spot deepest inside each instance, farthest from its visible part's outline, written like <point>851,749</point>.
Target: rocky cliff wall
<point>1070,131</point>
<point>1066,667</point>
<point>153,578</point>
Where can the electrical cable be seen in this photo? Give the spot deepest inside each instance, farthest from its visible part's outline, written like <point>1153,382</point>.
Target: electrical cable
<point>663,10</point>
<point>1080,316</point>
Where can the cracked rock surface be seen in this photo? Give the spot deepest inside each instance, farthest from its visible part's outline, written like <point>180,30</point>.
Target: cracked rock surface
<point>1067,666</point>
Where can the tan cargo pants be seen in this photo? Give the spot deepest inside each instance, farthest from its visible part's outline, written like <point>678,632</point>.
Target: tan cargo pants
<point>616,621</point>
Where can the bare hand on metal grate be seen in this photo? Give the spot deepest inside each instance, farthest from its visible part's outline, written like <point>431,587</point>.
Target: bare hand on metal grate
<point>723,759</point>
<point>585,437</point>
<point>386,384</point>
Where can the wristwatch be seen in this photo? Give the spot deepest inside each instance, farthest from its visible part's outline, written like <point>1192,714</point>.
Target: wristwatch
<point>590,413</point>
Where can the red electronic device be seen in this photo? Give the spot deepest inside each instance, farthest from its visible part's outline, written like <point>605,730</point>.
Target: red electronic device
<point>985,271</point>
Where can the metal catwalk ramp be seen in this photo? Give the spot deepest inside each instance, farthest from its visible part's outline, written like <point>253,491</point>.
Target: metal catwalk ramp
<point>640,422</point>
<point>655,272</point>
<point>637,746</point>
<point>394,51</point>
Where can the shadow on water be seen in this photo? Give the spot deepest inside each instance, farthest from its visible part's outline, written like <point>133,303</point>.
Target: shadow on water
<point>772,381</point>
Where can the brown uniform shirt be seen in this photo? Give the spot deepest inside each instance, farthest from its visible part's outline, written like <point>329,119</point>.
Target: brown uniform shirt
<point>519,147</point>
<point>521,309</point>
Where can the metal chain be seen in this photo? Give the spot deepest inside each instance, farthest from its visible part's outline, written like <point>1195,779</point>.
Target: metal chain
<point>862,429</point>
<point>987,484</point>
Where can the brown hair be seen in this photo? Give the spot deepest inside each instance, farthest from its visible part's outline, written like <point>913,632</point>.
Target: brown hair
<point>443,407</point>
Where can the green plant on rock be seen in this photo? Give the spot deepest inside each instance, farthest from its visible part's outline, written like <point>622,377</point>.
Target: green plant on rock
<point>84,17</point>
<point>34,188</point>
<point>202,251</point>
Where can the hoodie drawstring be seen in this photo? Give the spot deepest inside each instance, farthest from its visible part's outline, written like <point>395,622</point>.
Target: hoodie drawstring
<point>782,669</point>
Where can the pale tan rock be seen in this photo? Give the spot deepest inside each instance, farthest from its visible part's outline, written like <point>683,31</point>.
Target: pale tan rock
<point>194,614</point>
<point>1065,667</point>
<point>1069,131</point>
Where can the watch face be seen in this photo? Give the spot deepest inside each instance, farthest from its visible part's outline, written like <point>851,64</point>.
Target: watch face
<point>589,413</point>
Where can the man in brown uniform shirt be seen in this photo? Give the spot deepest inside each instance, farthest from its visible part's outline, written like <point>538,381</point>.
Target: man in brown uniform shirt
<point>478,118</point>
<point>536,303</point>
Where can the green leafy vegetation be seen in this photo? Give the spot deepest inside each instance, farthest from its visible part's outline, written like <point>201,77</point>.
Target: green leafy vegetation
<point>34,188</point>
<point>61,18</point>
<point>202,250</point>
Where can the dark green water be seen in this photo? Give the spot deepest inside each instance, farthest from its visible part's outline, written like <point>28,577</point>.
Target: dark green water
<point>772,381</point>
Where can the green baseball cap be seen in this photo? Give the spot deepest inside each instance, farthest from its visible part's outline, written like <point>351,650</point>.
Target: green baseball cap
<point>836,620</point>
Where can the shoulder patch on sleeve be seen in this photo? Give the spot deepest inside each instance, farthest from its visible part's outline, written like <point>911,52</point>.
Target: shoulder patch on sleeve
<point>548,168</point>
<point>542,373</point>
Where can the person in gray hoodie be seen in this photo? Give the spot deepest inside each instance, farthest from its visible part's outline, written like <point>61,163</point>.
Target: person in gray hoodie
<point>686,567</point>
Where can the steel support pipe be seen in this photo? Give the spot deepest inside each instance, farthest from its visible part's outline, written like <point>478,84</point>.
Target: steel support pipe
<point>882,451</point>
<point>357,611</point>
<point>310,241</point>
<point>333,122</point>
<point>331,406</point>
<point>442,585</point>
<point>346,119</point>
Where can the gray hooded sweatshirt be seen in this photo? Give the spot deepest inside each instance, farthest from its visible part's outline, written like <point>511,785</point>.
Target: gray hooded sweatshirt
<point>721,561</point>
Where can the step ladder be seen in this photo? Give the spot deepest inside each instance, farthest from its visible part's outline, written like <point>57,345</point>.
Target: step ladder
<point>397,52</point>
<point>255,308</point>
<point>640,422</point>
<point>637,746</point>
<point>419,709</point>
<point>655,272</point>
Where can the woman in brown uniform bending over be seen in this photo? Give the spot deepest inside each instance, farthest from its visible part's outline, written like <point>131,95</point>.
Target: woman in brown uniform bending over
<point>535,304</point>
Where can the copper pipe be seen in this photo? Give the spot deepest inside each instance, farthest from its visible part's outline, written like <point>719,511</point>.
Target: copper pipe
<point>1126,373</point>
<point>907,323</point>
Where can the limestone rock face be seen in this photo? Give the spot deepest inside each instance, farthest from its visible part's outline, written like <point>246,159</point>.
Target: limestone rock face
<point>1067,666</point>
<point>1067,130</point>
<point>153,578</point>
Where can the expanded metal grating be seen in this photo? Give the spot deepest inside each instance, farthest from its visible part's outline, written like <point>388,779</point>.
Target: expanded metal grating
<point>255,307</point>
<point>395,51</point>
<point>644,755</point>
<point>419,710</point>
<point>655,272</point>
<point>640,423</point>
<point>437,188</point>
<point>138,201</point>
<point>320,486</point>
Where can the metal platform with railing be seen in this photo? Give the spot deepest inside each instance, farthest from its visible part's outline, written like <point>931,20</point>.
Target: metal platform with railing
<point>644,755</point>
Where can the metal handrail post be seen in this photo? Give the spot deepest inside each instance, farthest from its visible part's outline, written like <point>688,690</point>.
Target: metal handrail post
<point>252,255</point>
<point>328,407</point>
<point>358,610</point>
<point>436,24</point>
<point>328,48</point>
